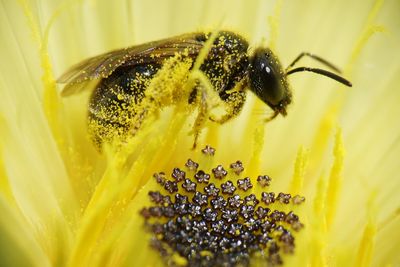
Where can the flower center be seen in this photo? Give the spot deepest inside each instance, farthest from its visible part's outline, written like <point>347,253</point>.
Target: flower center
<point>198,222</point>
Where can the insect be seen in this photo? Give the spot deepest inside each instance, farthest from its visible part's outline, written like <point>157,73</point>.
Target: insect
<point>123,78</point>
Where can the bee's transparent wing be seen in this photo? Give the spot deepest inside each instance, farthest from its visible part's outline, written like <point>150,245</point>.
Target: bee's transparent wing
<point>102,66</point>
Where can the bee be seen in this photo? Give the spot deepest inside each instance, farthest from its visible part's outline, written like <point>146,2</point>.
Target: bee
<point>123,78</point>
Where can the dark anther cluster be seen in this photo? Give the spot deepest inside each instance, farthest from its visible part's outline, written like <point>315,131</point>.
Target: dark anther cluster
<point>220,223</point>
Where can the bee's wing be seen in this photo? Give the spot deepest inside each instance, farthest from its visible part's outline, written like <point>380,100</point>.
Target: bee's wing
<point>104,65</point>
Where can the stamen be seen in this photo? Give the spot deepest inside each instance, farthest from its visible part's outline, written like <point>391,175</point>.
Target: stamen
<point>208,151</point>
<point>237,167</point>
<point>191,165</point>
<point>335,178</point>
<point>264,180</point>
<point>219,172</point>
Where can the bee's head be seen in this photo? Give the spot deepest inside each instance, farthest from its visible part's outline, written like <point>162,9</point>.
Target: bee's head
<point>268,80</point>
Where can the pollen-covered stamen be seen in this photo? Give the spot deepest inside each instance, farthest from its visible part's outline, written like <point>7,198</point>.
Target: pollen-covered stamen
<point>167,201</point>
<point>169,212</point>
<point>228,188</point>
<point>298,199</point>
<point>211,190</point>
<point>191,165</point>
<point>237,167</point>
<point>264,180</point>
<point>189,186</point>
<point>229,215</point>
<point>244,184</point>
<point>160,178</point>
<point>210,215</point>
<point>219,172</point>
<point>235,201</point>
<point>171,187</point>
<point>268,198</point>
<point>205,223</point>
<point>247,211</point>
<point>178,175</point>
<point>283,198</point>
<point>251,200</point>
<point>208,150</point>
<point>156,197</point>
<point>145,213</point>
<point>200,199</point>
<point>218,203</point>
<point>194,210</point>
<point>202,177</point>
<point>262,212</point>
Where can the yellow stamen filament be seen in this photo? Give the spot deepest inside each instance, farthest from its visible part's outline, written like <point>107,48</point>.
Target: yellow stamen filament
<point>323,133</point>
<point>274,22</point>
<point>258,144</point>
<point>116,183</point>
<point>335,179</point>
<point>5,188</point>
<point>366,245</point>
<point>52,104</point>
<point>299,171</point>
<point>392,217</point>
<point>370,29</point>
<point>318,257</point>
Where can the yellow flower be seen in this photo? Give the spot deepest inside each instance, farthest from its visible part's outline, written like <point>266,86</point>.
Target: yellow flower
<point>64,204</point>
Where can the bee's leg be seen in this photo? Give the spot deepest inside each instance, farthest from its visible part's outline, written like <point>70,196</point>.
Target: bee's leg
<point>150,105</point>
<point>234,104</point>
<point>138,120</point>
<point>202,114</point>
<point>273,116</point>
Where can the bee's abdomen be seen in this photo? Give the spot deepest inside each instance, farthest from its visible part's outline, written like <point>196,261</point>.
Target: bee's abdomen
<point>111,106</point>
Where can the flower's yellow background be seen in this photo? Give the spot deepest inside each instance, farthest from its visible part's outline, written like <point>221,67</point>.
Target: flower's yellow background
<point>63,204</point>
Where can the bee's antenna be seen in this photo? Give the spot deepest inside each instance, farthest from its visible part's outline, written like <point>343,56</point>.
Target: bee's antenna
<point>317,58</point>
<point>322,72</point>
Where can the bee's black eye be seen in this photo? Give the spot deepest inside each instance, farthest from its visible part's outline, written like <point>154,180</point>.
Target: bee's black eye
<point>265,78</point>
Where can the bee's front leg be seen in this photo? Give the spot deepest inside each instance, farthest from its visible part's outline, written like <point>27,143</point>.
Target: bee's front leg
<point>233,105</point>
